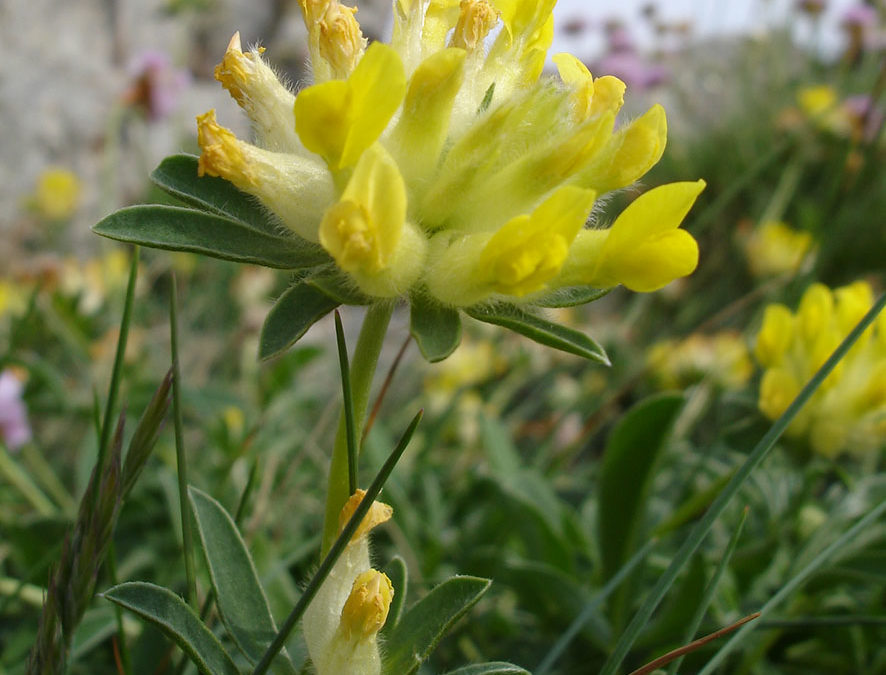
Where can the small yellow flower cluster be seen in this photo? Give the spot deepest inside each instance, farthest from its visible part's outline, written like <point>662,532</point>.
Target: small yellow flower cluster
<point>444,163</point>
<point>722,358</point>
<point>774,248</point>
<point>822,106</point>
<point>342,622</point>
<point>56,195</point>
<point>848,412</point>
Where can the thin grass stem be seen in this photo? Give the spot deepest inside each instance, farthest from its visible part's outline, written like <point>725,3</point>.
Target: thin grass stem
<point>798,580</point>
<point>363,366</point>
<point>701,529</point>
<point>348,404</point>
<point>180,454</point>
<point>117,372</point>
<point>588,611</point>
<point>711,588</point>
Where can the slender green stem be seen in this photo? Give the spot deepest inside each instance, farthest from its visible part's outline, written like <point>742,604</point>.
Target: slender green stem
<point>125,658</point>
<point>181,456</point>
<point>363,365</point>
<point>117,372</point>
<point>701,529</point>
<point>347,404</point>
<point>336,549</point>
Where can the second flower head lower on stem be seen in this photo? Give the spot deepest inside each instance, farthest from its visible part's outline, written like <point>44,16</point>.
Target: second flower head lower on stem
<point>445,163</point>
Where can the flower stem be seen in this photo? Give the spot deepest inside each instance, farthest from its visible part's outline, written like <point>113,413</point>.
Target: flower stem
<point>363,365</point>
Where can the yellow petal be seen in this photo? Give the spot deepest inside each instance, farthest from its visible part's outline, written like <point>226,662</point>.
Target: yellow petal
<point>631,153</point>
<point>777,390</point>
<point>576,75</point>
<point>363,229</point>
<point>339,119</point>
<point>440,17</point>
<point>378,513</point>
<point>775,336</point>
<point>529,250</point>
<point>644,249</point>
<point>816,311</point>
<point>366,608</point>
<point>421,132</point>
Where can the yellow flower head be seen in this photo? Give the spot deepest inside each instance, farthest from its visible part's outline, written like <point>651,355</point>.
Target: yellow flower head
<point>57,194</point>
<point>848,411</point>
<point>722,358</point>
<point>445,164</point>
<point>342,622</point>
<point>773,248</point>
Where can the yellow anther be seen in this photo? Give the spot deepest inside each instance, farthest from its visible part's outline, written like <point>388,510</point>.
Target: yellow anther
<point>366,608</point>
<point>378,513</point>
<point>222,155</point>
<point>313,11</point>
<point>341,40</point>
<point>235,69</point>
<point>476,18</point>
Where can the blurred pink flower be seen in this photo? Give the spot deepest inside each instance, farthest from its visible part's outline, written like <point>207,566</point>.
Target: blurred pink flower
<point>860,16</point>
<point>618,38</point>
<point>625,62</point>
<point>633,69</point>
<point>155,84</point>
<point>14,428</point>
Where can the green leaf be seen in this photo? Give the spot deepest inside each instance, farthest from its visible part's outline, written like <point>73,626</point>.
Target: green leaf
<point>399,576</point>
<point>179,229</point>
<point>299,308</point>
<point>631,453</point>
<point>177,621</point>
<point>177,175</point>
<point>239,596</point>
<point>571,296</point>
<point>428,620</point>
<point>338,286</point>
<point>491,668</point>
<point>541,330</point>
<point>436,329</point>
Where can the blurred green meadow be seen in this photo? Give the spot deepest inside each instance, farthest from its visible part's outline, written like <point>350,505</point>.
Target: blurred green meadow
<point>573,486</point>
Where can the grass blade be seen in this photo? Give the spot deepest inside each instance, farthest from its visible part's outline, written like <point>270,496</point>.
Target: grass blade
<point>797,581</point>
<point>711,589</point>
<point>348,399</point>
<point>180,455</point>
<point>701,529</point>
<point>578,623</point>
<point>117,372</point>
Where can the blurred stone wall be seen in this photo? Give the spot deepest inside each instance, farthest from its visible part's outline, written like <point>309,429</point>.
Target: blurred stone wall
<point>66,66</point>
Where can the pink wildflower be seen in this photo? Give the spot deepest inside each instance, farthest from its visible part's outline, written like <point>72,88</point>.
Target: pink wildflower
<point>14,428</point>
